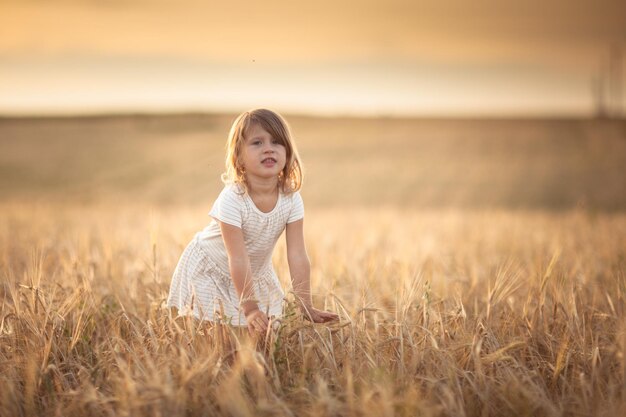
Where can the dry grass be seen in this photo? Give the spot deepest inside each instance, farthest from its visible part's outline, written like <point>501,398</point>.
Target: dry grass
<point>175,160</point>
<point>492,283</point>
<point>452,312</point>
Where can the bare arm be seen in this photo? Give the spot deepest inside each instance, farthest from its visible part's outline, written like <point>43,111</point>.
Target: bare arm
<point>299,264</point>
<point>241,273</point>
<point>300,270</point>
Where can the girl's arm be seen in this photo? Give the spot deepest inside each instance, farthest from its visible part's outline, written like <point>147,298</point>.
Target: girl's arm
<point>300,270</point>
<point>241,274</point>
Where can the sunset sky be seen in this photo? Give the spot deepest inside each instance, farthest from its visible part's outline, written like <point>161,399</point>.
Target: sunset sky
<point>368,57</point>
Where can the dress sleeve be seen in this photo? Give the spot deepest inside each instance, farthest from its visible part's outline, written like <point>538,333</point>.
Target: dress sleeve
<point>297,208</point>
<point>228,207</point>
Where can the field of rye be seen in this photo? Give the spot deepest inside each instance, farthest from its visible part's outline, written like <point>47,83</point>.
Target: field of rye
<point>447,307</point>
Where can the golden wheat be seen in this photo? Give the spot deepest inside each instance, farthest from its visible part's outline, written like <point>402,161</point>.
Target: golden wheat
<point>445,313</point>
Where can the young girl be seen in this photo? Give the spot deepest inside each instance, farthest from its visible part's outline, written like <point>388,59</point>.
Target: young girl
<point>226,270</point>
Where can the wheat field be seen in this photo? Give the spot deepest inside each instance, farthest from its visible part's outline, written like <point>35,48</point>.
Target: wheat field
<point>460,292</point>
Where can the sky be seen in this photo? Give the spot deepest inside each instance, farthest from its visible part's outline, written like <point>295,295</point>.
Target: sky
<point>362,57</point>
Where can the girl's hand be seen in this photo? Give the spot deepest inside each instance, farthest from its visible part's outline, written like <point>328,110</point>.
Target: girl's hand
<point>257,321</point>
<point>318,316</point>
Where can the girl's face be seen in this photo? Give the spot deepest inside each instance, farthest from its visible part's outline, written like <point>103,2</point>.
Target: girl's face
<point>262,156</point>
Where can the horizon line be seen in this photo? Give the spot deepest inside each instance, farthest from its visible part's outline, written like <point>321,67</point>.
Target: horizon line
<point>103,114</point>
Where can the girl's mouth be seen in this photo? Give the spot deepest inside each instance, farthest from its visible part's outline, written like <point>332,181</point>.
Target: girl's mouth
<point>268,161</point>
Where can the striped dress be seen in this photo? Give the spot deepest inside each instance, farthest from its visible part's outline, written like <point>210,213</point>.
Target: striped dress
<point>201,283</point>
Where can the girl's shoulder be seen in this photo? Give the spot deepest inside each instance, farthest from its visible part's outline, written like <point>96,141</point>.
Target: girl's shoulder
<point>293,206</point>
<point>293,195</point>
<point>230,206</point>
<point>230,197</point>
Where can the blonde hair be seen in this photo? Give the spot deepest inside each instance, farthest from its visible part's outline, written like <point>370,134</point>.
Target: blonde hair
<point>290,178</point>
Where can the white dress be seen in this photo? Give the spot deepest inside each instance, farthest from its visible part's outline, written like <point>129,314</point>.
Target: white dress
<point>201,283</point>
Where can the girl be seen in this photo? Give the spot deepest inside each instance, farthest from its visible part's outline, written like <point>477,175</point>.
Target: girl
<point>226,270</point>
